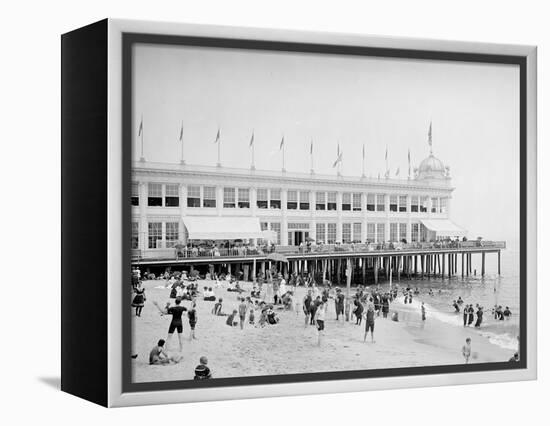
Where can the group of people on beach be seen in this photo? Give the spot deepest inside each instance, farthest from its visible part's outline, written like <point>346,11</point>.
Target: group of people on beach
<point>468,312</point>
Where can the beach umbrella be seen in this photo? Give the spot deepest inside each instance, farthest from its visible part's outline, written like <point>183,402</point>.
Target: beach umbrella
<point>277,257</point>
<point>179,245</point>
<point>310,239</point>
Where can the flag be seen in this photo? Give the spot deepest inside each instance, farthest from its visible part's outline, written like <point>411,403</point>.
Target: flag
<point>282,143</point>
<point>181,132</point>
<point>338,159</point>
<point>217,137</point>
<point>251,140</point>
<point>140,127</point>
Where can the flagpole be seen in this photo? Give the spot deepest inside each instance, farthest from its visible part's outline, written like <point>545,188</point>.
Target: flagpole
<point>141,127</point>
<point>182,161</point>
<point>363,163</point>
<point>252,144</point>
<point>219,143</point>
<point>311,156</point>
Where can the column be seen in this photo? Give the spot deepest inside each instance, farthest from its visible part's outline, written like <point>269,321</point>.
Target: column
<point>339,216</point>
<point>143,227</point>
<point>409,220</point>
<point>387,211</point>
<point>284,221</point>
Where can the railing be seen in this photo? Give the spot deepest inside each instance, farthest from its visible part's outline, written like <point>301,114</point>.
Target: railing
<point>178,253</point>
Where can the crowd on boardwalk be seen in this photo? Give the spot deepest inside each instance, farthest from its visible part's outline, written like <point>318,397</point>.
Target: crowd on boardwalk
<point>260,306</point>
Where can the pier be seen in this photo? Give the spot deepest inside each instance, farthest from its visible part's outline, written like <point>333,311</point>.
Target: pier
<point>366,263</point>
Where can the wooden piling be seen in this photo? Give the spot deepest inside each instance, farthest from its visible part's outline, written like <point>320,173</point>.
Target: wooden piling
<point>499,262</point>
<point>483,264</point>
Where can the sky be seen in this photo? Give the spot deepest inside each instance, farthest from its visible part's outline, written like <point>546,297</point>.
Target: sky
<point>336,99</point>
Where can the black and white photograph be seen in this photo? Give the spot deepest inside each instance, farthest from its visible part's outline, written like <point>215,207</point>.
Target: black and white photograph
<point>307,213</point>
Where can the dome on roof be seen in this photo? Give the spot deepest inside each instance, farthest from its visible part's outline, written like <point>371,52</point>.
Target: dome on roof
<point>432,168</point>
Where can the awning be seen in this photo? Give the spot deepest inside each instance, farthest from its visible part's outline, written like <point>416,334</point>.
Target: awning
<point>269,236</point>
<point>222,228</point>
<point>444,227</point>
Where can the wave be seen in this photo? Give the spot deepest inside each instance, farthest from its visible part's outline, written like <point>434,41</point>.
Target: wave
<point>504,340</point>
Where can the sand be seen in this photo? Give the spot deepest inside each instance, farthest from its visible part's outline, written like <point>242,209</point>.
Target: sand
<point>290,347</point>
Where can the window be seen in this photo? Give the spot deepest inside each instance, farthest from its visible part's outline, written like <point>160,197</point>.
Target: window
<point>393,203</point>
<point>193,196</point>
<point>423,204</point>
<point>346,232</point>
<point>154,195</point>
<point>320,201</point>
<point>135,194</point>
<point>209,196</point>
<point>380,203</point>
<point>292,200</point>
<point>442,205</point>
<point>172,234</point>
<point>371,232</point>
<point>371,203</point>
<point>380,233</point>
<point>171,196</point>
<point>331,201</point>
<point>320,229</point>
<point>357,202</point>
<point>414,204</point>
<point>276,227</point>
<point>402,203</point>
<point>393,232</point>
<point>435,205</point>
<point>244,198</point>
<point>346,201</point>
<point>261,198</point>
<point>135,235</point>
<point>275,199</point>
<point>263,226</point>
<point>402,231</point>
<point>229,198</point>
<point>415,230</point>
<point>155,234</point>
<point>331,233</point>
<point>357,232</point>
<point>304,200</point>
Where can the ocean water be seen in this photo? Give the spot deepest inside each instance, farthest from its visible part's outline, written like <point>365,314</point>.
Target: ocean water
<point>488,291</point>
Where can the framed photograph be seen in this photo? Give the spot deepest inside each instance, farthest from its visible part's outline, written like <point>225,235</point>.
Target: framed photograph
<point>251,213</point>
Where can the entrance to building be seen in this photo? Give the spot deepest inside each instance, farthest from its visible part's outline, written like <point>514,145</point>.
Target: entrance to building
<point>297,237</point>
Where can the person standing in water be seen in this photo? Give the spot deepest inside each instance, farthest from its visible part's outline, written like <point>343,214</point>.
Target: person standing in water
<point>479,315</point>
<point>465,315</point>
<point>467,350</point>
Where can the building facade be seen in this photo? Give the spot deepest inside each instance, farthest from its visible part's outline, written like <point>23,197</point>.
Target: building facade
<point>295,206</point>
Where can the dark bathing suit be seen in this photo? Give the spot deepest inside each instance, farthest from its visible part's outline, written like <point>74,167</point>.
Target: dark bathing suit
<point>369,323</point>
<point>176,324</point>
<point>192,315</point>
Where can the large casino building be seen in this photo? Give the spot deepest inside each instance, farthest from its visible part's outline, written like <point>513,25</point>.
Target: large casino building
<point>183,203</point>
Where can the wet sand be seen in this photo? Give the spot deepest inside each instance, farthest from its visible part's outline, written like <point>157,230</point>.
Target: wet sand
<point>290,347</point>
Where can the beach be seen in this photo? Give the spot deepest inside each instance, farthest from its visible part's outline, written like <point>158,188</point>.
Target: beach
<point>291,348</point>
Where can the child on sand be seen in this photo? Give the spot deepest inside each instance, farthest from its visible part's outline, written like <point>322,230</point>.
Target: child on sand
<point>467,350</point>
<point>369,323</point>
<point>202,372</point>
<point>217,310</point>
<point>320,320</point>
<point>231,319</point>
<point>251,316</point>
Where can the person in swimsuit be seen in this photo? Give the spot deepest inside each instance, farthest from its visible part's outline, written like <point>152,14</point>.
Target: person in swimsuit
<point>467,350</point>
<point>176,324</point>
<point>306,305</point>
<point>369,323</point>
<point>158,356</point>
<point>320,314</point>
<point>465,315</point>
<point>231,319</point>
<point>339,303</point>
<point>479,314</point>
<point>423,309</point>
<point>192,315</point>
<point>243,307</point>
<point>139,299</point>
<point>202,372</point>
<point>358,311</point>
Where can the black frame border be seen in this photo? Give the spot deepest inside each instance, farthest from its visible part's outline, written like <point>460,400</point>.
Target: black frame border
<point>130,39</point>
